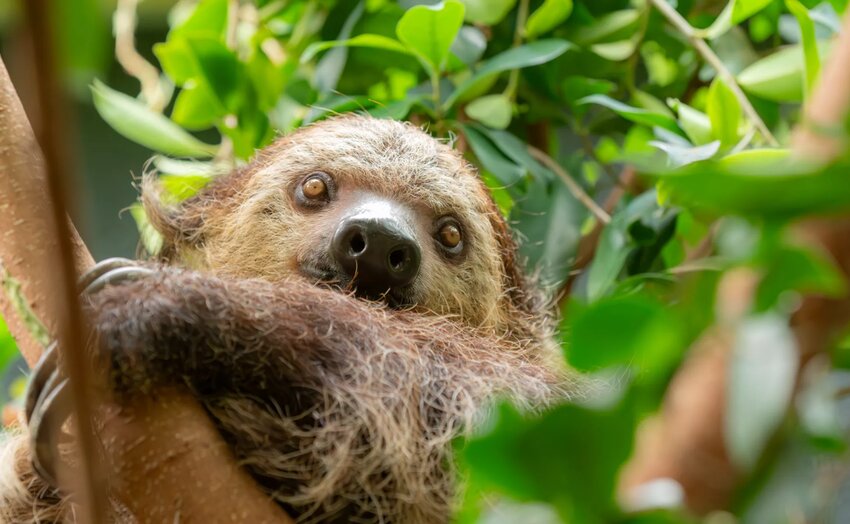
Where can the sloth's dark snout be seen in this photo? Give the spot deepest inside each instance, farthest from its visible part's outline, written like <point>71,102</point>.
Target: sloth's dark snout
<point>379,253</point>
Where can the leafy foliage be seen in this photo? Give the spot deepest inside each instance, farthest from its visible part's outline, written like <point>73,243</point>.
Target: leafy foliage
<point>607,89</point>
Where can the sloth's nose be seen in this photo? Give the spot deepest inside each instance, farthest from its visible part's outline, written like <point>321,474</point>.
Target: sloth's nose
<point>377,253</point>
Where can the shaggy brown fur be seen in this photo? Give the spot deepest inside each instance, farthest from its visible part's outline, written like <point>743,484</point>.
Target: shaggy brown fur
<point>342,409</point>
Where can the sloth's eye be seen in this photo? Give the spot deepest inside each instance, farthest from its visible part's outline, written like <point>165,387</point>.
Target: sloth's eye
<point>316,189</point>
<point>449,235</point>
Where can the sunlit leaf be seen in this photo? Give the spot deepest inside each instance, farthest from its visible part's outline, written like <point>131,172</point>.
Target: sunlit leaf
<point>547,17</point>
<point>779,76</point>
<point>617,25</point>
<point>487,12</point>
<point>429,31</point>
<point>724,113</point>
<point>139,123</point>
<point>528,55</point>
<point>634,114</point>
<point>364,40</point>
<point>492,110</point>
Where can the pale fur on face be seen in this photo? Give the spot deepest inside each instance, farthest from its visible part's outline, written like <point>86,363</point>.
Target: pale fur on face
<point>265,234</point>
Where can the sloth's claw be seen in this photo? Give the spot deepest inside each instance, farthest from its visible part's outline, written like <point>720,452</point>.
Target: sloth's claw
<point>47,409</point>
<point>47,400</point>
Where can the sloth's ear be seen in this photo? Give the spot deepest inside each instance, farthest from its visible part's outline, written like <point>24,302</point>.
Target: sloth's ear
<point>182,225</point>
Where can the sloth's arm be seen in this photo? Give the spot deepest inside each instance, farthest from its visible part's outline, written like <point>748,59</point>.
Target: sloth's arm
<point>253,336</point>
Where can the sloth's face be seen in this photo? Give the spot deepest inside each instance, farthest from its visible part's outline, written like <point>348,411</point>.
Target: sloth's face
<point>374,207</point>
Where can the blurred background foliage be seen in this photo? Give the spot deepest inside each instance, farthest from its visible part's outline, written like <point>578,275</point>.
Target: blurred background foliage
<point>637,147</point>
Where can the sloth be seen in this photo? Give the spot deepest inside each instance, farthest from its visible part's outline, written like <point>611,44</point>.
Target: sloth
<point>344,307</point>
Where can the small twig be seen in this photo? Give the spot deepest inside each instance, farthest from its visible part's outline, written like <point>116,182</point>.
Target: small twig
<point>571,184</point>
<point>133,63</point>
<point>714,61</point>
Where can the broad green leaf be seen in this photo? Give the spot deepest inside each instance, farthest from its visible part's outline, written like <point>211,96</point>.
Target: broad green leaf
<point>134,120</point>
<point>487,12</point>
<point>610,27</point>
<point>508,173</point>
<point>547,17</point>
<point>810,45</point>
<point>209,18</point>
<point>364,40</point>
<point>429,31</point>
<point>528,55</point>
<point>616,51</point>
<point>197,108</point>
<point>634,114</point>
<point>778,77</point>
<point>469,45</point>
<point>695,124</point>
<point>647,337</point>
<point>568,457</point>
<point>724,113</point>
<point>492,110</point>
<point>796,269</point>
<point>761,381</point>
<point>678,155</point>
<point>614,246</point>
<point>761,183</point>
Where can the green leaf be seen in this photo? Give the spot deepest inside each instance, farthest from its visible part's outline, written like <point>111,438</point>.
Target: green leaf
<point>136,121</point>
<point>487,12</point>
<point>778,77</point>
<point>810,45</point>
<point>547,17</point>
<point>761,381</point>
<point>724,113</point>
<point>196,108</point>
<point>647,336</point>
<point>568,457</point>
<point>614,26</point>
<point>695,124</point>
<point>429,31</point>
<point>330,67</point>
<point>761,183</point>
<point>492,110</point>
<point>209,18</point>
<point>634,114</point>
<point>528,55</point>
<point>508,173</point>
<point>614,246</point>
<point>795,269</point>
<point>365,40</point>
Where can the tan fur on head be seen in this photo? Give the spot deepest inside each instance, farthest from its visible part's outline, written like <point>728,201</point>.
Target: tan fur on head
<point>247,225</point>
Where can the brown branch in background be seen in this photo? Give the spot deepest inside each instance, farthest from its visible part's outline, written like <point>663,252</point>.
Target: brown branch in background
<point>130,59</point>
<point>71,328</point>
<point>685,440</point>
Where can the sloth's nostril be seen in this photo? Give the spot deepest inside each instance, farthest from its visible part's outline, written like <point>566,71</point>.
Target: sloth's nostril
<point>398,259</point>
<point>358,244</point>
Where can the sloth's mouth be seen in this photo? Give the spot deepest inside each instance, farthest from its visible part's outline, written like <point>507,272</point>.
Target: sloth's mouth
<point>328,277</point>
